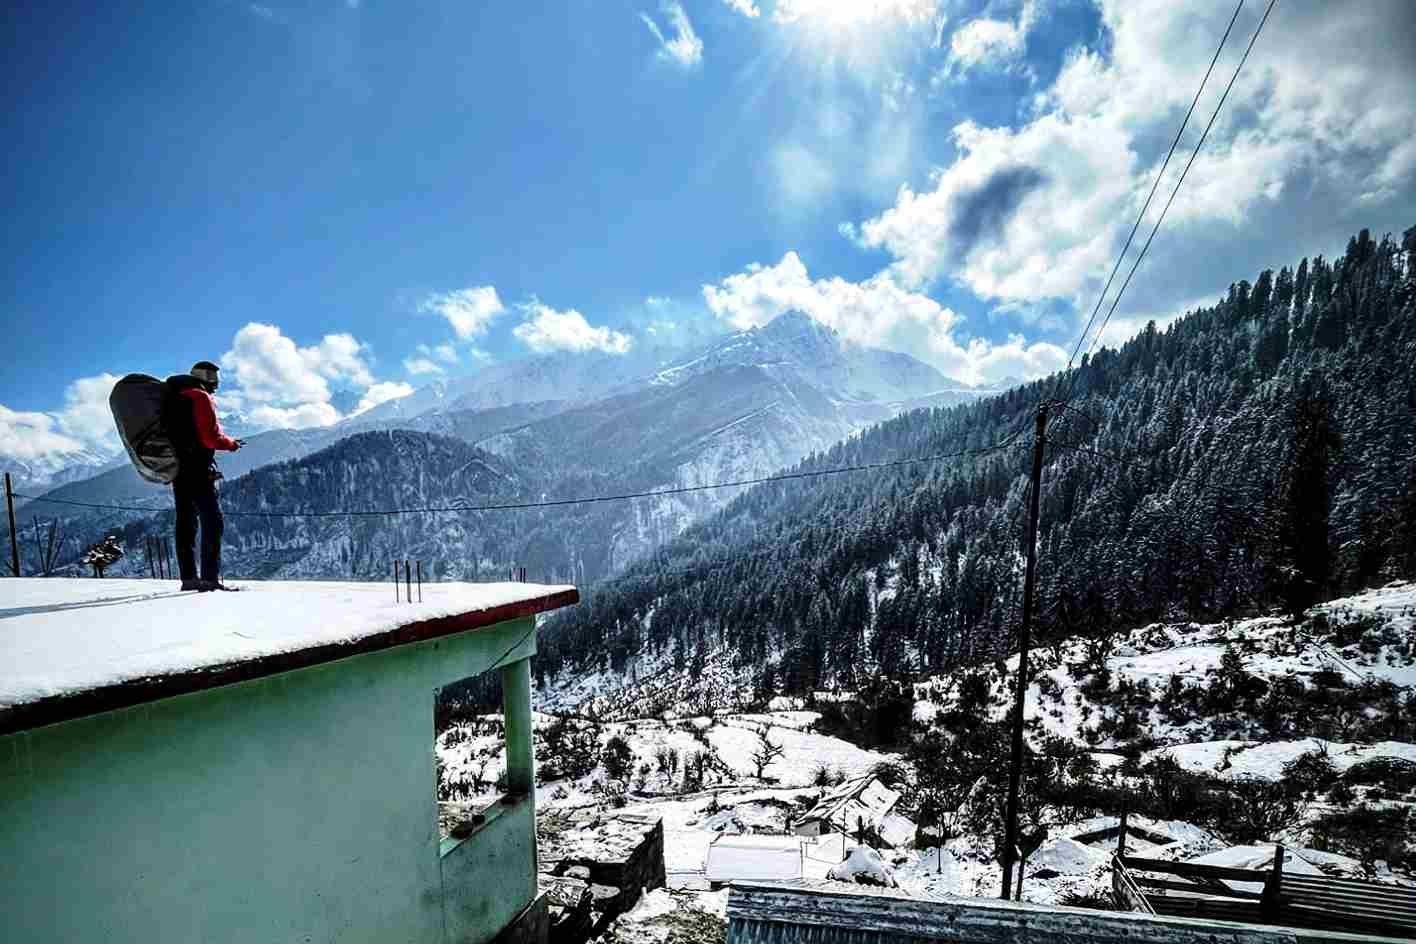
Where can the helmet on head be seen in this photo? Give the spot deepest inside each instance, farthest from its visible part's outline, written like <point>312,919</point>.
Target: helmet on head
<point>207,373</point>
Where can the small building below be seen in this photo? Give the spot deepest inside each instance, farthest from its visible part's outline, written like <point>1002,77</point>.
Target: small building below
<point>753,858</point>
<point>857,806</point>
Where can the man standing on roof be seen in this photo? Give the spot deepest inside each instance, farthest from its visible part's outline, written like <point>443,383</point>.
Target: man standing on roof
<point>190,419</point>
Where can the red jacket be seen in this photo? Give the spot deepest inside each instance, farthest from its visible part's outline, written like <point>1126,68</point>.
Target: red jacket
<point>209,432</point>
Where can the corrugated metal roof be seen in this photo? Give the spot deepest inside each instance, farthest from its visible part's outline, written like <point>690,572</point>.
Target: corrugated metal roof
<point>781,913</point>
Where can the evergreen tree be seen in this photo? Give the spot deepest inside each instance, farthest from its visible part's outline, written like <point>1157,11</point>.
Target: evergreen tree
<point>1304,535</point>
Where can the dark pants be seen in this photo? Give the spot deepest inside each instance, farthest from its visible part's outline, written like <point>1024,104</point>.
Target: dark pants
<point>196,500</point>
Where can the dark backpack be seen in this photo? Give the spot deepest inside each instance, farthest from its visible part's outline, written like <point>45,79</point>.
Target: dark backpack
<point>137,404</point>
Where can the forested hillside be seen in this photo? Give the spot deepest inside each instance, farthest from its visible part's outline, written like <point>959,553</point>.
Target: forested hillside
<point>1255,454</point>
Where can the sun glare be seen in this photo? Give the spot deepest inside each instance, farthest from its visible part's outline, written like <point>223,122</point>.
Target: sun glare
<point>841,15</point>
<point>859,34</point>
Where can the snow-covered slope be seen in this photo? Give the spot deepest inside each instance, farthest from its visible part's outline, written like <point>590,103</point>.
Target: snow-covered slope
<point>1204,696</point>
<point>1189,683</point>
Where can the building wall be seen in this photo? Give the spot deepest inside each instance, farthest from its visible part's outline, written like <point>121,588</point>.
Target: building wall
<point>299,807</point>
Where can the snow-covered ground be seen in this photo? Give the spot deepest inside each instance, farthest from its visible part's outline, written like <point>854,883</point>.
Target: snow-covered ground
<point>1236,759</point>
<point>1190,655</point>
<point>732,739</point>
<point>1361,644</point>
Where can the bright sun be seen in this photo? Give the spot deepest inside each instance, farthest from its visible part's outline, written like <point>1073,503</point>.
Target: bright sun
<point>857,33</point>
<point>839,15</point>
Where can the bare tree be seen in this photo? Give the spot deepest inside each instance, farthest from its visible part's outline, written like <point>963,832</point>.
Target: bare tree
<point>46,551</point>
<point>104,554</point>
<point>766,752</point>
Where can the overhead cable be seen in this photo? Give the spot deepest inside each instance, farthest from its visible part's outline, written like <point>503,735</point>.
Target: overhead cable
<point>559,502</point>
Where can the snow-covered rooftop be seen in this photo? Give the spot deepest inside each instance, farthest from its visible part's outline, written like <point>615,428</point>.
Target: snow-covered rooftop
<point>69,639</point>
<point>732,858</point>
<point>865,798</point>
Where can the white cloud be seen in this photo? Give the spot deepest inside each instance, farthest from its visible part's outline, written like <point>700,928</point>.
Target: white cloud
<point>281,384</point>
<point>419,366</point>
<point>746,7</point>
<point>1020,215</point>
<point>300,416</point>
<point>431,359</point>
<point>684,49</point>
<point>339,357</point>
<point>546,329</point>
<point>381,393</point>
<point>876,312</point>
<point>990,42</point>
<point>802,178</point>
<point>48,440</point>
<point>1319,124</point>
<point>33,436</point>
<point>470,311</point>
<point>86,415</point>
<point>269,368</point>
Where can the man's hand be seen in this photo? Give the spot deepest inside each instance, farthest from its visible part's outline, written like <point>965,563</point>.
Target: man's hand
<point>239,444</point>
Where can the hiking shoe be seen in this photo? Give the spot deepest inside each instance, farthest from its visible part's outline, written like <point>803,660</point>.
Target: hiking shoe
<point>206,586</point>
<point>191,585</point>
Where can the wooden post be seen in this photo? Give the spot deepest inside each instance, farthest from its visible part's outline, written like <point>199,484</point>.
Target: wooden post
<point>420,581</point>
<point>1121,836</point>
<point>14,539</point>
<point>1015,770</point>
<point>407,582</point>
<point>1273,888</point>
<point>396,579</point>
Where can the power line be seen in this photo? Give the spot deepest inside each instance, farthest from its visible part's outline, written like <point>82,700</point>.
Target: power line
<point>1150,196</point>
<point>560,502</point>
<point>1176,189</point>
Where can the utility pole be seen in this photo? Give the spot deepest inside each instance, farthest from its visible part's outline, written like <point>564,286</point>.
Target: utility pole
<point>1015,771</point>
<point>14,538</point>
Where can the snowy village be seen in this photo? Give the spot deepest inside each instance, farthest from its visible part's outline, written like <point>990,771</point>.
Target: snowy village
<point>710,472</point>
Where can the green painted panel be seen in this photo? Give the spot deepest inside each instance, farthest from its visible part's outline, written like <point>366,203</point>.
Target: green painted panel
<point>296,808</point>
<point>490,877</point>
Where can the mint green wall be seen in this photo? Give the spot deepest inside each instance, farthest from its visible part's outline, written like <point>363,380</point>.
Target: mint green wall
<point>296,808</point>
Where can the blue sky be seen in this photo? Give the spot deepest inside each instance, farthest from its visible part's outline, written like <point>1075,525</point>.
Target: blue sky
<point>343,199</point>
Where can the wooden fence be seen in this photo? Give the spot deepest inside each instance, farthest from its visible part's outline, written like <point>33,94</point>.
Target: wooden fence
<point>1296,901</point>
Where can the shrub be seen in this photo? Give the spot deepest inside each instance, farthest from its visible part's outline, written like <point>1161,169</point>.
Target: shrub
<point>1101,901</point>
<point>1255,810</point>
<point>1368,834</point>
<point>567,750</point>
<point>891,773</point>
<point>1392,773</point>
<point>1310,774</point>
<point>1168,791</point>
<point>617,758</point>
